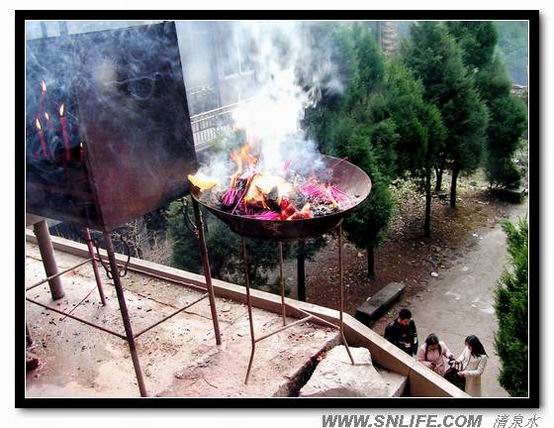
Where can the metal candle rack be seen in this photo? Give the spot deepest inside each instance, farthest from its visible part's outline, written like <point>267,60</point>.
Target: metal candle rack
<point>114,272</point>
<point>108,140</point>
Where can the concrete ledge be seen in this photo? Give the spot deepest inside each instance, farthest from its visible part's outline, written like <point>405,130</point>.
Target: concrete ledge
<point>377,305</point>
<point>422,382</point>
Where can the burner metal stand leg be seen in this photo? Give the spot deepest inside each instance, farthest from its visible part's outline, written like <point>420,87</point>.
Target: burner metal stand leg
<point>94,261</point>
<point>206,267</point>
<point>341,304</point>
<point>249,304</point>
<point>125,314</point>
<point>308,316</point>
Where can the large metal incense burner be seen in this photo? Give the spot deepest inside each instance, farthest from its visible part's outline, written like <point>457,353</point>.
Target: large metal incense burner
<point>353,181</point>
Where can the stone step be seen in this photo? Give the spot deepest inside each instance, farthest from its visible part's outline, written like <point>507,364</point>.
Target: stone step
<point>376,305</point>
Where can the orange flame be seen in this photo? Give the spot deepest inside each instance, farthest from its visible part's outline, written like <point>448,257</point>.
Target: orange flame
<point>62,110</point>
<point>243,158</point>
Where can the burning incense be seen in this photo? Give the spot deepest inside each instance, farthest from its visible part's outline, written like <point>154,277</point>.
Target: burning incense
<point>283,194</point>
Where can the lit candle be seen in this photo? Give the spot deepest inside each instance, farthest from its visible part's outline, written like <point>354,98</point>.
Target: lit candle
<point>41,139</point>
<point>65,134</point>
<point>82,152</point>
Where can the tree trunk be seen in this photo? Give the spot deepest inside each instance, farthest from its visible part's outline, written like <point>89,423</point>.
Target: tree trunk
<point>455,172</point>
<point>370,262</point>
<point>301,272</point>
<point>427,225</point>
<point>438,184</point>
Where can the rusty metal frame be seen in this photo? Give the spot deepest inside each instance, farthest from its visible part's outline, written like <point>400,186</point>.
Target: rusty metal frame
<point>308,316</point>
<point>129,336</point>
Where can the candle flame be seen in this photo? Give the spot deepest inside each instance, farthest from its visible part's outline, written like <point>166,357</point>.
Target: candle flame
<point>38,125</point>
<point>43,86</point>
<point>62,109</point>
<point>46,115</point>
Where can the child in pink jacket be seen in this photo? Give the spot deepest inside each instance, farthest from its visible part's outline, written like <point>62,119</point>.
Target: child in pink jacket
<point>433,354</point>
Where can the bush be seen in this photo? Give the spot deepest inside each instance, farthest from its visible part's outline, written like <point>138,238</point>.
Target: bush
<point>511,339</point>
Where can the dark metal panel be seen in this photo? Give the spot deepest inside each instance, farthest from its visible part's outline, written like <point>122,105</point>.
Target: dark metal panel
<point>129,124</point>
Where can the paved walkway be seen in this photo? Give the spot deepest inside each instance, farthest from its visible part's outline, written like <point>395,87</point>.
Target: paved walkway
<point>460,301</point>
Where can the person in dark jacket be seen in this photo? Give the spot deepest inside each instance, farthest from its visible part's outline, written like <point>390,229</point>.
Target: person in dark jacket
<point>402,332</point>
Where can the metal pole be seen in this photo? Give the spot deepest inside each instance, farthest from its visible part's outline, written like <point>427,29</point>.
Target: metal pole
<point>124,313</point>
<point>206,268</point>
<point>282,277</point>
<point>68,315</point>
<point>249,304</point>
<point>48,259</point>
<point>93,256</point>
<point>341,285</point>
<point>49,278</point>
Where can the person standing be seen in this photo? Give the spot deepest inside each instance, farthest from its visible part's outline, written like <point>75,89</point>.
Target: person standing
<point>472,363</point>
<point>402,332</point>
<point>433,353</point>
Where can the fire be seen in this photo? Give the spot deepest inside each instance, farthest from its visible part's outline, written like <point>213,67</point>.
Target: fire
<point>46,115</point>
<point>264,193</point>
<point>38,125</point>
<point>262,186</point>
<point>43,86</point>
<point>244,160</point>
<point>62,110</point>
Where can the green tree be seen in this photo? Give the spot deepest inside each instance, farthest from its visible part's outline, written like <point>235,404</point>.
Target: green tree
<point>419,128</point>
<point>354,125</point>
<point>511,340</point>
<point>436,59</point>
<point>508,122</point>
<point>478,41</point>
<point>508,118</point>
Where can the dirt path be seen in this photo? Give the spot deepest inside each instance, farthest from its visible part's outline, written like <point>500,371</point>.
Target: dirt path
<point>460,301</point>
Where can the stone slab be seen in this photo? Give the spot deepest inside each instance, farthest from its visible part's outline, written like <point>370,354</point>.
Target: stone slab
<point>336,376</point>
<point>378,304</point>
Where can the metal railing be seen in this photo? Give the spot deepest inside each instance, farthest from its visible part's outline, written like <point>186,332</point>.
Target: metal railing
<point>210,125</point>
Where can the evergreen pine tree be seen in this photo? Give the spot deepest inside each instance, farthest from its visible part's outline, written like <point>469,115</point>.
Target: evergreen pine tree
<point>436,59</point>
<point>511,339</point>
<point>508,118</point>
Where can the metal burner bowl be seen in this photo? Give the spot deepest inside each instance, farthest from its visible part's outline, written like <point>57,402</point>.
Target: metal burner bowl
<point>347,176</point>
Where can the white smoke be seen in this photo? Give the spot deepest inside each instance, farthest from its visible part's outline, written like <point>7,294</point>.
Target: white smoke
<point>272,116</point>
